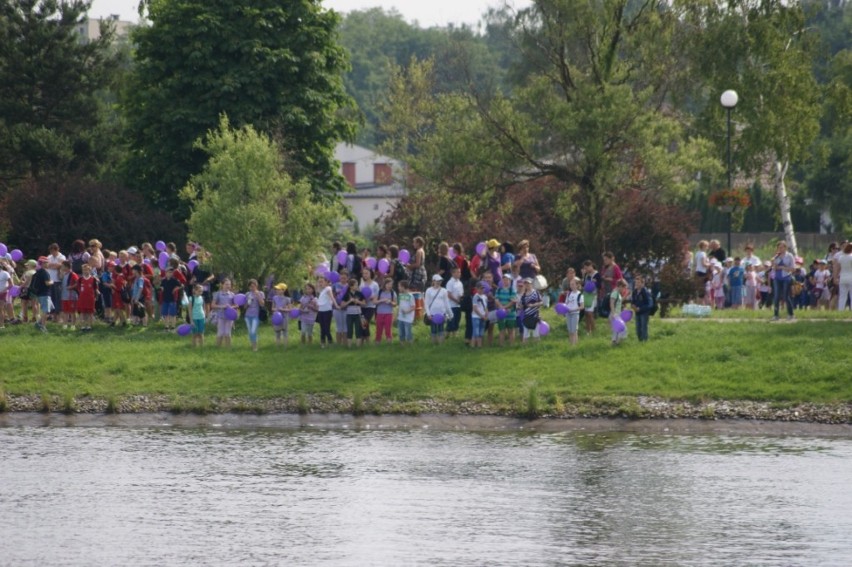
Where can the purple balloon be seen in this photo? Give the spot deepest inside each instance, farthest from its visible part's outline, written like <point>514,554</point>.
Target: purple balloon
<point>15,291</point>
<point>404,256</point>
<point>618,325</point>
<point>17,255</point>
<point>438,319</point>
<point>561,308</point>
<point>321,271</point>
<point>481,248</point>
<point>333,277</point>
<point>367,292</point>
<point>277,318</point>
<point>184,330</point>
<point>502,313</point>
<point>3,249</point>
<point>383,265</point>
<point>240,299</point>
<point>192,265</point>
<point>342,257</point>
<point>231,314</point>
<point>160,246</point>
<point>543,328</point>
<point>371,263</point>
<point>486,289</point>
<point>164,260</point>
<point>295,312</point>
<point>451,253</point>
<point>626,315</point>
<point>147,261</point>
<point>590,287</point>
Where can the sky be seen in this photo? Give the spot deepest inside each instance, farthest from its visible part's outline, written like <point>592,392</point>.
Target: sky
<point>427,13</point>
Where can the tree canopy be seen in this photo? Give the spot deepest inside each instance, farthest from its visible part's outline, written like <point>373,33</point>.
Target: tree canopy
<point>49,85</point>
<point>252,218</point>
<point>271,64</point>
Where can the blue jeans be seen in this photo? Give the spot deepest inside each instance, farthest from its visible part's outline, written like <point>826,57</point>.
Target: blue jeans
<point>642,326</point>
<point>453,324</point>
<point>781,290</point>
<point>252,323</point>
<point>405,331</point>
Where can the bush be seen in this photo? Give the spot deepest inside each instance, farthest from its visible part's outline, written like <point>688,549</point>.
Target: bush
<point>41,211</point>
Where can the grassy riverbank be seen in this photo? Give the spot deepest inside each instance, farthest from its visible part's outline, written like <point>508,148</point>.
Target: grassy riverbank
<point>690,361</point>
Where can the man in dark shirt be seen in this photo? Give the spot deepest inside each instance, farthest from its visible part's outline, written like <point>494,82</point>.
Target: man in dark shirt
<point>40,286</point>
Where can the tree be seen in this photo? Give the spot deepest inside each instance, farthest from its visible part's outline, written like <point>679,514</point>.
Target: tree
<point>247,211</point>
<point>763,50</point>
<point>590,114</point>
<point>272,64</point>
<point>49,84</point>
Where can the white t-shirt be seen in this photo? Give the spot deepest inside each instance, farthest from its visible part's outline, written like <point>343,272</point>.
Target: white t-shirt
<point>325,299</point>
<point>406,302</point>
<point>436,301</point>
<point>750,261</point>
<point>456,288</point>
<point>700,258</point>
<point>54,272</point>
<point>844,262</point>
<point>574,301</point>
<point>5,278</point>
<point>821,277</point>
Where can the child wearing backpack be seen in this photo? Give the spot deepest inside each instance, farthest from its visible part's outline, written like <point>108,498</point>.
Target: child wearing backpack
<point>643,304</point>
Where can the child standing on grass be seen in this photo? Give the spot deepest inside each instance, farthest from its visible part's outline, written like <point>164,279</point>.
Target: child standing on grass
<point>198,318</point>
<point>736,280</point>
<point>254,300</point>
<point>308,308</point>
<point>405,314</point>
<point>281,304</point>
<point>575,302</point>
<point>750,297</point>
<point>478,316</point>
<point>590,298</point>
<point>87,292</point>
<point>643,302</point>
<point>68,295</point>
<point>353,301</point>
<point>223,299</point>
<point>118,284</point>
<point>616,302</point>
<point>506,298</point>
<point>385,302</point>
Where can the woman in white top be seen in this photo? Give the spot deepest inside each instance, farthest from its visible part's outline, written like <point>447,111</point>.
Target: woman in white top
<point>437,303</point>
<point>702,268</point>
<point>842,268</point>
<point>325,303</point>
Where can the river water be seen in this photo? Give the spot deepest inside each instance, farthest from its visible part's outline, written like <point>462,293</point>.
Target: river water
<point>166,495</point>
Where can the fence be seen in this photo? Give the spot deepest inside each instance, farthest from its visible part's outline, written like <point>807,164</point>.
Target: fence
<point>811,241</point>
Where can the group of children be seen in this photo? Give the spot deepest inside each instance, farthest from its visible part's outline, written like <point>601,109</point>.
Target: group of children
<point>137,286</point>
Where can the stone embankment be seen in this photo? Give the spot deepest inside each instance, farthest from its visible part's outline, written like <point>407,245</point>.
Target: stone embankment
<point>632,408</point>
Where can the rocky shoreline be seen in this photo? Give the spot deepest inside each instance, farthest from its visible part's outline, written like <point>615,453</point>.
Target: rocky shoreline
<point>641,407</point>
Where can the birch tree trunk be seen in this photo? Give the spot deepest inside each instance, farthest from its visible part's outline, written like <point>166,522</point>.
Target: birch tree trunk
<point>784,204</point>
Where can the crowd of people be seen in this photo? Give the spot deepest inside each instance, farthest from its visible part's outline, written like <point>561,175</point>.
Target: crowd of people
<point>493,296</point>
<point>748,283</point>
<point>497,291</point>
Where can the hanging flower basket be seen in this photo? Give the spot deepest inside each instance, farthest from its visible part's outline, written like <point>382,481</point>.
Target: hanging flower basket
<point>726,200</point>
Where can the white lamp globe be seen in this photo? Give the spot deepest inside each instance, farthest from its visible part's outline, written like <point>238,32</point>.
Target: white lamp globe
<point>729,99</point>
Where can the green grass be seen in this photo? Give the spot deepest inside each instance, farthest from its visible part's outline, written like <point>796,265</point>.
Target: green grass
<point>688,360</point>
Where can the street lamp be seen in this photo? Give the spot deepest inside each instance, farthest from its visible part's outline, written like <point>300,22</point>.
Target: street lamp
<point>729,100</point>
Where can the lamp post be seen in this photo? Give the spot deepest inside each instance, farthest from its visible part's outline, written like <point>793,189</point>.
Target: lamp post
<point>729,100</point>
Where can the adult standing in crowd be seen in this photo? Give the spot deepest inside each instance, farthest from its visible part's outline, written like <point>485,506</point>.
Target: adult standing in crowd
<point>53,264</point>
<point>610,276</point>
<point>783,265</point>
<point>750,259</point>
<point>716,251</point>
<point>526,264</point>
<point>842,274</point>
